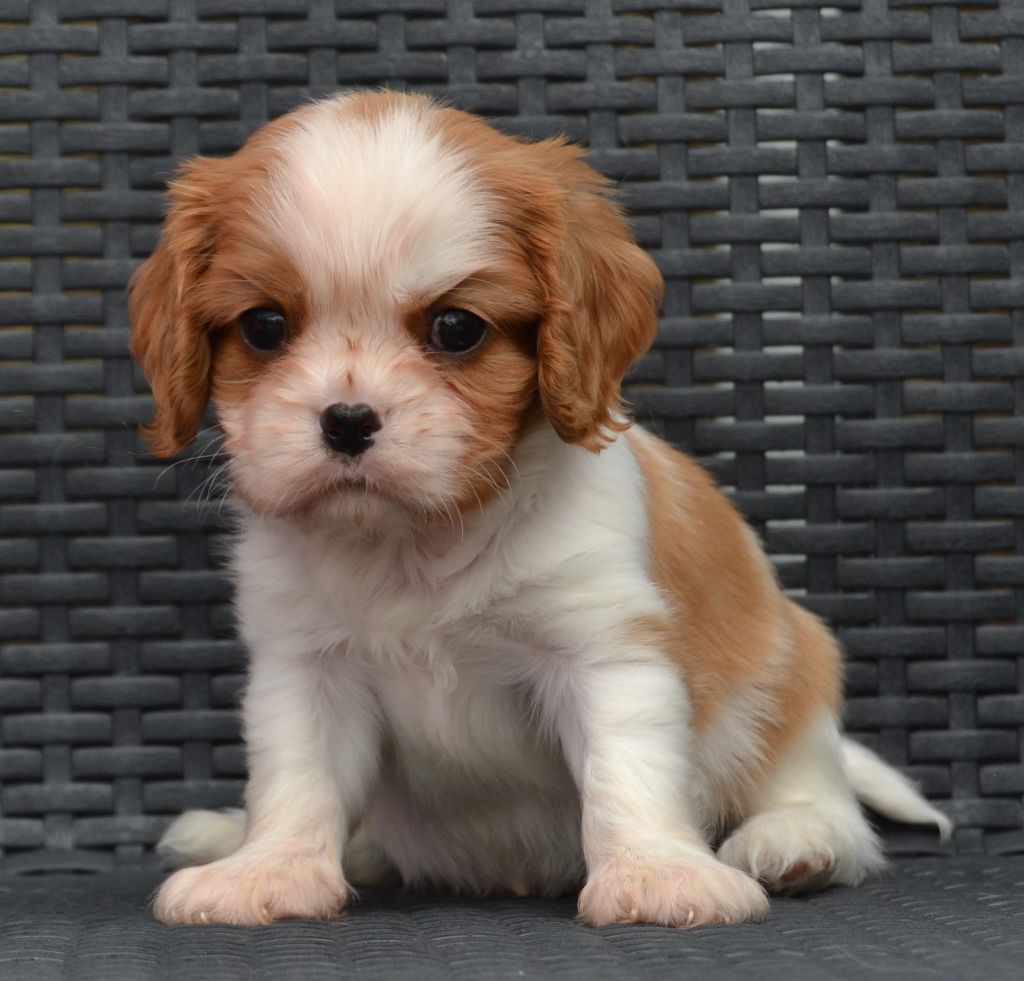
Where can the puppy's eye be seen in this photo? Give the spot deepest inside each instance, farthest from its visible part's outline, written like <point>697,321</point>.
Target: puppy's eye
<point>263,329</point>
<point>457,331</point>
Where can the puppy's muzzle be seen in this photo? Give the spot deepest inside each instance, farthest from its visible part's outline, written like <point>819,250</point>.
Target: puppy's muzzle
<point>349,429</point>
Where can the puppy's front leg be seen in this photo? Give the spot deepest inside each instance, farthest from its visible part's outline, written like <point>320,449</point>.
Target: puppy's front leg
<point>312,740</point>
<point>623,718</point>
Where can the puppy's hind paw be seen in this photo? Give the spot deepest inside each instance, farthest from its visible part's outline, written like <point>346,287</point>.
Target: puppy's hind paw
<point>803,848</point>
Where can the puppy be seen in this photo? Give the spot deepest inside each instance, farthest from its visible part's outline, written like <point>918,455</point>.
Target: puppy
<point>501,640</point>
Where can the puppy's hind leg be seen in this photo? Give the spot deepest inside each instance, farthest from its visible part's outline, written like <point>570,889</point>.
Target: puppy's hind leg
<point>804,829</point>
<point>366,863</point>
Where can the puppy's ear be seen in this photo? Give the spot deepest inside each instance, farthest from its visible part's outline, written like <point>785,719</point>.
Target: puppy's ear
<point>168,339</point>
<point>603,293</point>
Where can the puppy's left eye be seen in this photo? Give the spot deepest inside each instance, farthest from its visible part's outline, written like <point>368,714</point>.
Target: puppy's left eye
<point>457,331</point>
<point>263,329</point>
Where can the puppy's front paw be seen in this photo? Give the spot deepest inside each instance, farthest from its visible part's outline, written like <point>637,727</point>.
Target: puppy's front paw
<point>693,892</point>
<point>253,888</point>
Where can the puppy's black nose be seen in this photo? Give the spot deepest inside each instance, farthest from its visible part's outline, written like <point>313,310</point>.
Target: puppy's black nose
<point>349,429</point>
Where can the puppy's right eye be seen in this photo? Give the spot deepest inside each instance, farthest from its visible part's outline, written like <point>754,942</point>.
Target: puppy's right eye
<point>263,329</point>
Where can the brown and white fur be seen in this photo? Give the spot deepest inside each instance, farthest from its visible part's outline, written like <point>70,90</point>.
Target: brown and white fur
<point>518,645</point>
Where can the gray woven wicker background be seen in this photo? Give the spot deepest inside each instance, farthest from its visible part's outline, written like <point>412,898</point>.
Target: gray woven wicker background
<point>835,191</point>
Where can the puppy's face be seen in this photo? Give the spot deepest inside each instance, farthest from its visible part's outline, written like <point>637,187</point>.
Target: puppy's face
<point>382,296</point>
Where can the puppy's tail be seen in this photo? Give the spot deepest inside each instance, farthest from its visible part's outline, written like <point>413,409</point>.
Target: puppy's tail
<point>887,791</point>
<point>198,837</point>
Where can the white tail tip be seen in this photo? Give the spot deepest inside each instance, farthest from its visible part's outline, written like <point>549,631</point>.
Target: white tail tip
<point>885,789</point>
<point>198,837</point>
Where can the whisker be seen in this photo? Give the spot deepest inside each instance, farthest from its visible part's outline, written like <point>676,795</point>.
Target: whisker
<point>193,458</point>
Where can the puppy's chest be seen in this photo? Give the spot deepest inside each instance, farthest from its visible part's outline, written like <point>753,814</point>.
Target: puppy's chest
<point>452,692</point>
<point>393,610</point>
<point>452,676</point>
<point>447,656</point>
<point>464,726</point>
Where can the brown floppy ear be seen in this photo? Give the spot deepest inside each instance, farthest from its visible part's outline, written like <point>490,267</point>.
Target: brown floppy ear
<point>602,307</point>
<point>168,339</point>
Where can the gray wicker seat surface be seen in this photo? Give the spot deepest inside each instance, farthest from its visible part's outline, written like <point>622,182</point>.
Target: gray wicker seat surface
<point>951,918</point>
<point>834,190</point>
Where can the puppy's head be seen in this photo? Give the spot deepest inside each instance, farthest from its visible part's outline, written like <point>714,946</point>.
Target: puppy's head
<point>382,296</point>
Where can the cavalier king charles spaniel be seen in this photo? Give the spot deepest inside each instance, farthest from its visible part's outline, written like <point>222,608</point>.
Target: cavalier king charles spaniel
<point>501,640</point>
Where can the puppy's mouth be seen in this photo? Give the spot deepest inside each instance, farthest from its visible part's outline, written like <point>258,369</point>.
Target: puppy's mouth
<point>306,492</point>
<point>348,485</point>
<point>353,500</point>
<point>346,475</point>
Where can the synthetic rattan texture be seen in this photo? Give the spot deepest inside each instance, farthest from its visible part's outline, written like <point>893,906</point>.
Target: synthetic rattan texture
<point>835,191</point>
<point>943,920</point>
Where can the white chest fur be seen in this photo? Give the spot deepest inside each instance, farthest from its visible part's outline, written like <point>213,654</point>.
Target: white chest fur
<point>538,563</point>
<point>450,641</point>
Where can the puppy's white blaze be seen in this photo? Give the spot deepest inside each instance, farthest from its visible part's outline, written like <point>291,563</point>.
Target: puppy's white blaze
<point>377,206</point>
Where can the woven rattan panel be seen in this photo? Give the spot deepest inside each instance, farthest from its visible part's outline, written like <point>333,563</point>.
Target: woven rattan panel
<point>835,191</point>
